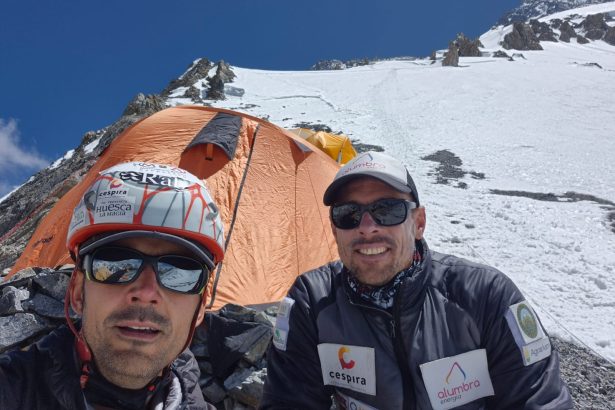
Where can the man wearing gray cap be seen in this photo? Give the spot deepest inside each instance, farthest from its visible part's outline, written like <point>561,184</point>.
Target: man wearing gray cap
<point>395,325</point>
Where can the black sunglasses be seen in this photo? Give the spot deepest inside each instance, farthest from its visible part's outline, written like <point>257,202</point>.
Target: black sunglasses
<point>119,265</point>
<point>385,212</point>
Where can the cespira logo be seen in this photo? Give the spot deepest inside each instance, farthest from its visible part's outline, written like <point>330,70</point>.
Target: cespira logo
<point>345,364</point>
<point>116,183</point>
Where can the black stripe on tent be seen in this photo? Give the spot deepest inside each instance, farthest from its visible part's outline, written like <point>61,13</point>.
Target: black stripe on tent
<point>230,230</point>
<point>223,131</point>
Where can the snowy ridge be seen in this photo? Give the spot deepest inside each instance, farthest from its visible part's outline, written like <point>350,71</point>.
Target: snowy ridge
<point>539,128</point>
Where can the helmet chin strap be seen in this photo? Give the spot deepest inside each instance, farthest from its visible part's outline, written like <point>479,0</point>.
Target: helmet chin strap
<point>81,347</point>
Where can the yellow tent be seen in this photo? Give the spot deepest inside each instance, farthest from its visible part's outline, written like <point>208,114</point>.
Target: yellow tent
<point>336,146</point>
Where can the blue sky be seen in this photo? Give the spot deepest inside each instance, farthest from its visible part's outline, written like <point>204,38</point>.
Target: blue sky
<point>67,67</point>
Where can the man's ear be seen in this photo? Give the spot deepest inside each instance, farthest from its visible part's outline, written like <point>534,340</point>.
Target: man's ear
<point>420,219</point>
<point>76,291</point>
<point>202,309</point>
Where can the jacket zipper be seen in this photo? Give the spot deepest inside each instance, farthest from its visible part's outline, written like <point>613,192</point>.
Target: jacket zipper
<point>402,357</point>
<point>400,351</point>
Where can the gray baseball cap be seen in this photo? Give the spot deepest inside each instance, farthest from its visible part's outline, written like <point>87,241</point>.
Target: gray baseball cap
<point>377,165</point>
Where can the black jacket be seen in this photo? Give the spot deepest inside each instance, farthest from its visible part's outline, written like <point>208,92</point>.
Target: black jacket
<point>450,307</point>
<point>46,376</point>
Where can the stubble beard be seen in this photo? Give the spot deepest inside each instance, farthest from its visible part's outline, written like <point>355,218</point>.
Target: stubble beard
<point>378,276</point>
<point>129,367</point>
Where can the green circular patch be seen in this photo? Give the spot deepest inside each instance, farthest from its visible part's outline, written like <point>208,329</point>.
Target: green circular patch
<point>527,321</point>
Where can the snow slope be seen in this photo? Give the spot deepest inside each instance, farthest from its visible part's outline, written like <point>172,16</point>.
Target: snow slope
<point>544,123</point>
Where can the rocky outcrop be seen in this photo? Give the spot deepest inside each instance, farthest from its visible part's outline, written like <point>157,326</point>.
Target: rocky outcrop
<point>451,57</point>
<point>197,71</point>
<point>340,65</point>
<point>144,105</point>
<point>328,65</point>
<point>539,8</point>
<point>609,36</point>
<point>223,75</point>
<point>582,40</point>
<point>542,30</point>
<point>566,32</point>
<point>24,209</point>
<point>522,37</point>
<point>467,47</point>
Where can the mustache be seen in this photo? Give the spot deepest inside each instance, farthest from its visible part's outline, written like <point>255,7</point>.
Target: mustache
<point>375,239</point>
<point>140,314</point>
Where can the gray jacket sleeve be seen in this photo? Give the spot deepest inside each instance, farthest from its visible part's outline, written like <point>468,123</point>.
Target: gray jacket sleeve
<point>537,386</point>
<point>294,378</point>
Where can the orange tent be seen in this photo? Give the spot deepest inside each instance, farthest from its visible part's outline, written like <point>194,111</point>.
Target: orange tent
<point>267,182</point>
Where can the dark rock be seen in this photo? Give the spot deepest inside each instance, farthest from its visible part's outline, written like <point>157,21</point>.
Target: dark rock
<point>214,392</point>
<point>223,75</point>
<point>521,38</point>
<point>11,299</point>
<point>256,352</point>
<point>264,318</point>
<point>247,386</point>
<point>21,278</point>
<point>216,89</point>
<point>451,57</point>
<point>500,54</point>
<point>556,23</point>
<point>314,127</point>
<point>609,37</point>
<point>204,365</point>
<point>595,34</point>
<point>196,71</point>
<point>53,284</point>
<point>46,306</point>
<point>234,91</point>
<point>224,72</point>
<point>566,32</point>
<point>193,93</point>
<point>595,22</point>
<point>582,40</point>
<point>542,30</point>
<point>19,328</point>
<point>144,105</point>
<point>467,47</point>
<point>432,56</point>
<point>237,312</point>
<point>328,65</point>
<point>547,37</point>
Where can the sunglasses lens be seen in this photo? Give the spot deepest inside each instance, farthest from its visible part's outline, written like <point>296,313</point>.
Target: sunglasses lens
<point>346,216</point>
<point>388,212</point>
<point>115,265</point>
<point>181,274</point>
<point>385,212</point>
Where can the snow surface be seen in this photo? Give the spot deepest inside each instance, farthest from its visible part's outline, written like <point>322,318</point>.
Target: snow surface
<point>91,146</point>
<point>57,162</point>
<point>544,123</point>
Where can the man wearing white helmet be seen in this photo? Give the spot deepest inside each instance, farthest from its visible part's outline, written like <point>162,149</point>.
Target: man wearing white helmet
<point>395,325</point>
<point>145,238</point>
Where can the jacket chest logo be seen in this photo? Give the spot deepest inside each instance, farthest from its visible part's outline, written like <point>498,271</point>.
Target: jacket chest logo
<point>457,380</point>
<point>349,367</point>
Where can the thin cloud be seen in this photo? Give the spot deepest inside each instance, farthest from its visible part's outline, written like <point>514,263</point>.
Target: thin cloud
<point>15,159</point>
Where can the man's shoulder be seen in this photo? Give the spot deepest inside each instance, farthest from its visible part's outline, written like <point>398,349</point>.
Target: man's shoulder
<point>318,283</point>
<point>460,275</point>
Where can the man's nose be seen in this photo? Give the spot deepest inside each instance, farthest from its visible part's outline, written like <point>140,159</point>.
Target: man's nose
<point>146,288</point>
<point>367,225</point>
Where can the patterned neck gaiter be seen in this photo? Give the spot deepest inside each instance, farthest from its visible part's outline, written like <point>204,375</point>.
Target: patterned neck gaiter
<point>384,296</point>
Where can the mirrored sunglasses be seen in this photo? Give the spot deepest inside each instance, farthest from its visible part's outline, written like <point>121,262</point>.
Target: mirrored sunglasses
<point>385,212</point>
<point>120,265</point>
